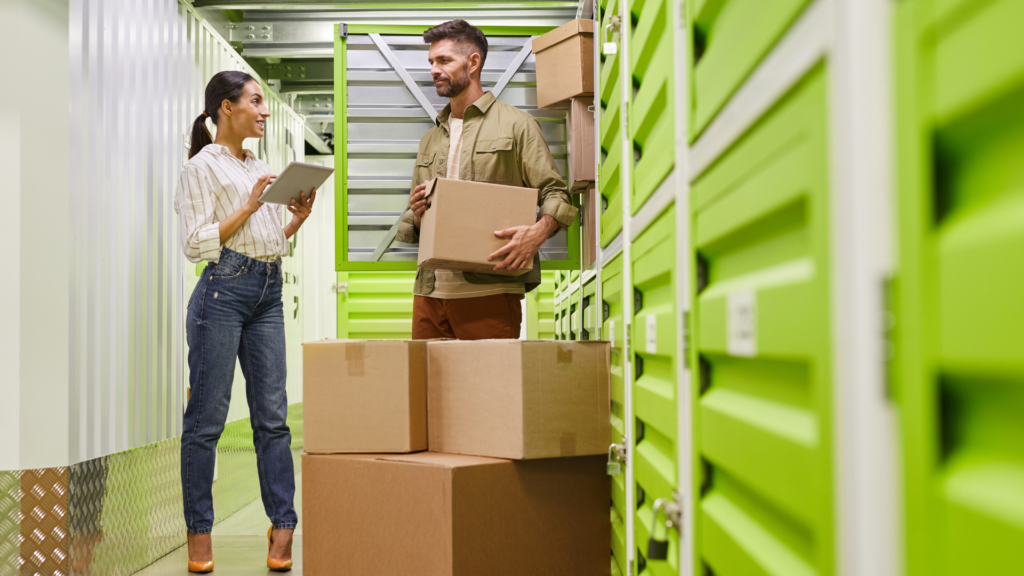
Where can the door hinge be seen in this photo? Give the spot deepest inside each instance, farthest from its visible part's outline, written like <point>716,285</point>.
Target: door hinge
<point>342,30</point>
<point>888,336</point>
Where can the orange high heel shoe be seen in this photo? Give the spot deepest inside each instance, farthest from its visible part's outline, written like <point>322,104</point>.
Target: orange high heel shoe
<point>273,563</point>
<point>197,567</point>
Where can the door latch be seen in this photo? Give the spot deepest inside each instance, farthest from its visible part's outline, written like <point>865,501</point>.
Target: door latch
<point>340,288</point>
<point>616,456</point>
<point>610,48</point>
<point>673,509</point>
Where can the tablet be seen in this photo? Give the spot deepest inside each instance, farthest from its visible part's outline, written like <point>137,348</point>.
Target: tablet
<point>297,177</point>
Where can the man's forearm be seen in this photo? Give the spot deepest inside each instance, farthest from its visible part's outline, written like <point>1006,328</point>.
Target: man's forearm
<point>548,224</point>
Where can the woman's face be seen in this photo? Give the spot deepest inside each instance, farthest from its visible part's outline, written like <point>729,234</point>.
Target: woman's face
<point>248,116</point>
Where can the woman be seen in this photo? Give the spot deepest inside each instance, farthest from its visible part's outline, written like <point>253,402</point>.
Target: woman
<point>235,311</point>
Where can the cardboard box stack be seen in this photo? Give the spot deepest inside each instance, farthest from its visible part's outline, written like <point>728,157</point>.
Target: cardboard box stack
<point>514,480</point>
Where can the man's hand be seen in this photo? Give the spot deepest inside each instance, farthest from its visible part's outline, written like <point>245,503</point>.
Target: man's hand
<point>418,204</point>
<point>525,243</point>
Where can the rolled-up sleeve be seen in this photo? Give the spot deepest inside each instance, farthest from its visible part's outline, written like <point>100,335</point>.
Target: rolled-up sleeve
<point>195,204</point>
<point>539,171</point>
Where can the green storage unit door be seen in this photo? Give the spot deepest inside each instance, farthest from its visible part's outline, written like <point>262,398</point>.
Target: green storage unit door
<point>540,309</point>
<point>558,318</point>
<point>652,110</point>
<point>655,366</point>
<point>730,37</point>
<point>960,285</point>
<point>612,309</point>
<point>378,306</point>
<point>609,132</point>
<point>762,424</point>
<point>591,312</point>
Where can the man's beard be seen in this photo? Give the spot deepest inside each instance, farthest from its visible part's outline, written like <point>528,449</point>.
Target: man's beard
<point>456,85</point>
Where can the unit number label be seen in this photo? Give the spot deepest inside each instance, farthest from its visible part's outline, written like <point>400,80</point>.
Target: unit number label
<point>741,323</point>
<point>611,332</point>
<point>652,334</point>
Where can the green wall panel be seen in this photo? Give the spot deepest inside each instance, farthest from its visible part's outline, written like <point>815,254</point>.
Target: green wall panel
<point>730,37</point>
<point>762,427</point>
<point>591,312</point>
<point>652,111</point>
<point>612,309</point>
<point>959,312</point>
<point>609,134</point>
<point>378,306</point>
<point>655,383</point>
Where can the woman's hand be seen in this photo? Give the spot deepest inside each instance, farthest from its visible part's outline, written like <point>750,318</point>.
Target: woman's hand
<point>253,205</point>
<point>300,209</point>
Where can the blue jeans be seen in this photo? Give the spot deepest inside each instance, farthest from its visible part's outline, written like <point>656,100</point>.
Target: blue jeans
<point>236,311</point>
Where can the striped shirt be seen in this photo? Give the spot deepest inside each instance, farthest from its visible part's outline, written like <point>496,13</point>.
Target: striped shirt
<point>214,184</point>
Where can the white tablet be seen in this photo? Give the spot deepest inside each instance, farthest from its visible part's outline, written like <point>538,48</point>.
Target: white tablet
<point>297,177</point>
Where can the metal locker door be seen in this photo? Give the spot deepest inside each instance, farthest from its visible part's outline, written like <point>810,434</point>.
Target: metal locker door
<point>959,362</point>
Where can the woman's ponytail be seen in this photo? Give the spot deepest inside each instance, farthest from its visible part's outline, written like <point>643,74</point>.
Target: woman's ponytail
<point>200,136</point>
<point>227,85</point>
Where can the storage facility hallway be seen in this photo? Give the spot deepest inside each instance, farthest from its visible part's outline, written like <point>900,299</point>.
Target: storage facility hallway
<point>512,287</point>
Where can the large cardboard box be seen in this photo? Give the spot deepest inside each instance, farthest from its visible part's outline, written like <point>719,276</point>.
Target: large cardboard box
<point>457,229</point>
<point>365,396</point>
<point>565,64</point>
<point>518,399</point>
<point>579,128</point>
<point>430,514</point>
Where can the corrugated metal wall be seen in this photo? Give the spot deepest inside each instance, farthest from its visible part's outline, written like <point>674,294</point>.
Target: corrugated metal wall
<point>138,72</point>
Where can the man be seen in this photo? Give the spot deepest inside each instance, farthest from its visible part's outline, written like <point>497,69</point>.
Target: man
<point>478,138</point>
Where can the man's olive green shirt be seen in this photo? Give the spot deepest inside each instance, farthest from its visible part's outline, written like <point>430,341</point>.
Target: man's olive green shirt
<point>501,144</point>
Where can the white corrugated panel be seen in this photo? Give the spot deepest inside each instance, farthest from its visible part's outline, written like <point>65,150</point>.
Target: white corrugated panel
<point>138,72</point>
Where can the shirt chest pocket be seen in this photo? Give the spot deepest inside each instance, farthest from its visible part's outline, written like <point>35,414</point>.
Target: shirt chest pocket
<point>495,161</point>
<point>425,166</point>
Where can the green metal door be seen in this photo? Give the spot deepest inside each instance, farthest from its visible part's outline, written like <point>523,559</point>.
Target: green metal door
<point>612,310</point>
<point>762,342</point>
<point>375,305</point>
<point>652,110</point>
<point>609,132</point>
<point>655,386</point>
<point>539,309</point>
<point>959,308</point>
<point>730,37</point>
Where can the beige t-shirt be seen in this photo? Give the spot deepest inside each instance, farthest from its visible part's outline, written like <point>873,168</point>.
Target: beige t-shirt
<point>449,284</point>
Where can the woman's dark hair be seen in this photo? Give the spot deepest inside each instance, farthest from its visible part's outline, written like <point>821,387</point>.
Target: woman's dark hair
<point>227,85</point>
<point>461,32</point>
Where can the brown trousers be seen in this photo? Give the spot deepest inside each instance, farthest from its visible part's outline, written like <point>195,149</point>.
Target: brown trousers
<point>483,318</point>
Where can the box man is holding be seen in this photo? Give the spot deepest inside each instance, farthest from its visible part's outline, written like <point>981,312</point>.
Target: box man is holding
<point>478,138</point>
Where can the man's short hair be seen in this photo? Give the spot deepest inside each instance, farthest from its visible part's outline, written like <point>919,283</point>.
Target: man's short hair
<point>461,32</point>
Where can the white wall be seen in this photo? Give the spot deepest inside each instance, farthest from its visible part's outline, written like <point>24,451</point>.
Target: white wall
<point>34,119</point>
<point>321,312</point>
<point>92,137</point>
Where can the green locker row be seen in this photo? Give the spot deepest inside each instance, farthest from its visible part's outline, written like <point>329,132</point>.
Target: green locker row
<point>728,342</point>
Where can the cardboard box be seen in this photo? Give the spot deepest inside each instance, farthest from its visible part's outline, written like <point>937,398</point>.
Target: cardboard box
<point>518,399</point>
<point>579,128</point>
<point>589,215</point>
<point>565,64</point>
<point>365,396</point>
<point>457,229</point>
<point>430,514</point>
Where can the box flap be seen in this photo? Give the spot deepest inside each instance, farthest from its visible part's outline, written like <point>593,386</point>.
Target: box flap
<point>563,32</point>
<point>431,186</point>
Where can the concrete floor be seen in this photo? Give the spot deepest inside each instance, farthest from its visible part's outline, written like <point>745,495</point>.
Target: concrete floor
<point>239,545</point>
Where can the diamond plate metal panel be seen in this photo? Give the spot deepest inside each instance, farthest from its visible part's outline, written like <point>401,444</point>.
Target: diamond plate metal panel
<point>44,521</point>
<point>10,523</point>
